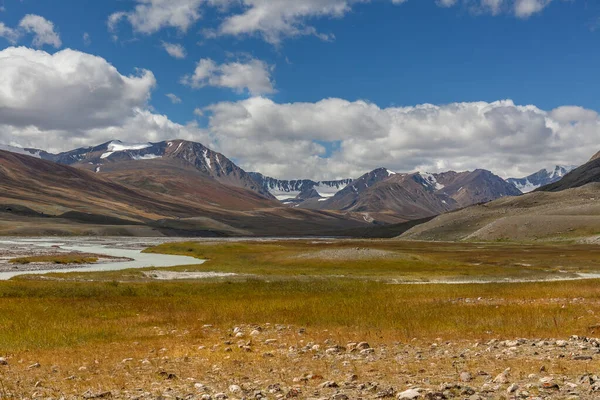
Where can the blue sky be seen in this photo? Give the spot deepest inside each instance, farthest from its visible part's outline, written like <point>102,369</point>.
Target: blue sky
<point>385,54</point>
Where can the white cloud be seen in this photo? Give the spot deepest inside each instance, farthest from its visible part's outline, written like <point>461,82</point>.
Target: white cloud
<point>446,3</point>
<point>253,76</point>
<point>66,90</point>
<point>520,8</point>
<point>150,16</point>
<point>87,40</point>
<point>91,102</point>
<point>290,140</point>
<point>274,20</point>
<point>277,19</point>
<point>174,99</point>
<point>526,8</point>
<point>8,33</point>
<point>43,30</point>
<point>174,50</point>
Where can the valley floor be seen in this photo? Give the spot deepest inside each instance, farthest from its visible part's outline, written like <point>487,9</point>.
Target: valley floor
<point>310,319</point>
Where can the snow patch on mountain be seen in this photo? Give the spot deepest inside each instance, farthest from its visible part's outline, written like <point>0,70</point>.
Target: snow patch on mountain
<point>207,159</point>
<point>301,188</point>
<point>431,180</point>
<point>117,145</point>
<point>20,150</point>
<point>541,178</point>
<point>146,157</point>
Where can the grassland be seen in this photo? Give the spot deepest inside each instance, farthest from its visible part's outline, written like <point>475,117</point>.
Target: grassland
<point>405,261</point>
<point>338,291</point>
<point>308,283</point>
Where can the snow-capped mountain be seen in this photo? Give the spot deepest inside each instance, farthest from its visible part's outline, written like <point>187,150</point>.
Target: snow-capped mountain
<point>541,178</point>
<point>301,189</point>
<point>115,155</point>
<point>416,195</point>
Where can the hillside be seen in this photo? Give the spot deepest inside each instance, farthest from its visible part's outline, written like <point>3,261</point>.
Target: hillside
<point>42,197</point>
<point>210,163</point>
<point>569,214</point>
<point>587,173</point>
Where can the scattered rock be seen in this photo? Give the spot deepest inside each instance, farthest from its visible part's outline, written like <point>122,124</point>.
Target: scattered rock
<point>466,377</point>
<point>502,377</point>
<point>409,394</point>
<point>512,388</point>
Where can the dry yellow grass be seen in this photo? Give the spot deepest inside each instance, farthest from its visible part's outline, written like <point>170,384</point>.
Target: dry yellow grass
<point>81,331</point>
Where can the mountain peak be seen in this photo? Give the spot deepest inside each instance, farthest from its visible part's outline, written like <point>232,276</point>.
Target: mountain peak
<point>543,177</point>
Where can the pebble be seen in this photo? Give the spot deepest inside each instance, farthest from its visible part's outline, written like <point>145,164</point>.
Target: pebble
<point>3,361</point>
<point>235,389</point>
<point>466,377</point>
<point>512,388</point>
<point>409,394</point>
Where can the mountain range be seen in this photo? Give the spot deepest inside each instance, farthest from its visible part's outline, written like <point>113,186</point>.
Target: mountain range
<point>295,191</point>
<point>567,209</point>
<point>182,187</point>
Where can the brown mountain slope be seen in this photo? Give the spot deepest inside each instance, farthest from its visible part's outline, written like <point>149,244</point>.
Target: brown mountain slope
<point>178,178</point>
<point>569,214</point>
<point>73,196</point>
<point>383,193</point>
<point>196,155</point>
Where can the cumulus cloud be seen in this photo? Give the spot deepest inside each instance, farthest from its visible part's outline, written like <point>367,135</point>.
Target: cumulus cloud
<point>253,76</point>
<point>276,20</point>
<point>85,91</point>
<point>291,140</point>
<point>90,102</point>
<point>174,50</point>
<point>93,102</point>
<point>150,16</point>
<point>43,30</point>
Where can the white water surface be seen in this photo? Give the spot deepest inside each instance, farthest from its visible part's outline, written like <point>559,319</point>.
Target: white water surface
<point>139,259</point>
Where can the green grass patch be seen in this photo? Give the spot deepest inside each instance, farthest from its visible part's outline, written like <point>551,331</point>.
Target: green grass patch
<point>56,259</point>
<point>402,260</point>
